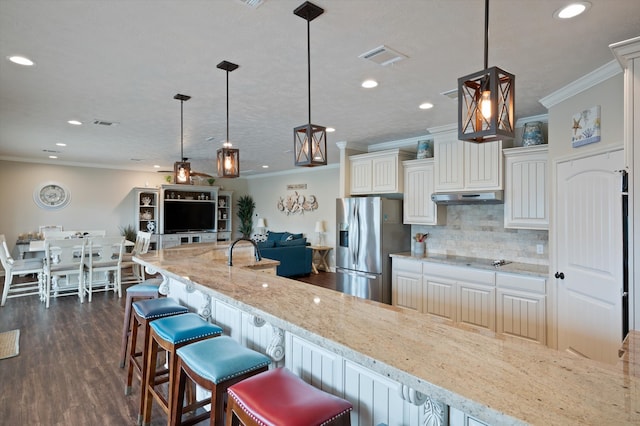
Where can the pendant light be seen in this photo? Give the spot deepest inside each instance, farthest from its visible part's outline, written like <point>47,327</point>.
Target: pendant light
<point>486,100</point>
<point>228,158</point>
<point>309,140</point>
<point>182,169</point>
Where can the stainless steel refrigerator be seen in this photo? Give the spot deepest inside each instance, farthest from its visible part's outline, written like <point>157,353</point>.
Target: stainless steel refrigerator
<point>368,230</point>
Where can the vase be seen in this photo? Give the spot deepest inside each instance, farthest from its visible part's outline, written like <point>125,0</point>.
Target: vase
<point>532,134</point>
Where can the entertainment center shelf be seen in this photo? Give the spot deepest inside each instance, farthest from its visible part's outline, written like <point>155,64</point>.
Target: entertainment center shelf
<point>184,214</point>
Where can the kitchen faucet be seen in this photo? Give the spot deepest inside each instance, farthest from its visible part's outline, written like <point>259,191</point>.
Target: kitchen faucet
<point>256,251</point>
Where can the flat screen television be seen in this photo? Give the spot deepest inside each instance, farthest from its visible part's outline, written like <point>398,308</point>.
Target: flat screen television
<point>186,216</point>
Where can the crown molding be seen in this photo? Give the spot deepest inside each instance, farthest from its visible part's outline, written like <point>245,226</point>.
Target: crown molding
<point>297,171</point>
<point>605,72</point>
<point>625,50</point>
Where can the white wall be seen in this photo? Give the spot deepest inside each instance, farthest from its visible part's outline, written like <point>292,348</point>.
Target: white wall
<point>100,198</point>
<point>322,182</point>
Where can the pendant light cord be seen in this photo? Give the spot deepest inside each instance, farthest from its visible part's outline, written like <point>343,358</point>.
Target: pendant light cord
<point>309,66</point>
<point>181,129</point>
<point>486,34</point>
<point>227,142</point>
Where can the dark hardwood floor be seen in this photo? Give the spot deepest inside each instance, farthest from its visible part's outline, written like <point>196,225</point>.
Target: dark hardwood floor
<point>67,372</point>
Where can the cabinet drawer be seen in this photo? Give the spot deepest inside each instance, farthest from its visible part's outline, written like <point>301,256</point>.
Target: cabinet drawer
<point>407,265</point>
<point>521,282</point>
<point>459,273</point>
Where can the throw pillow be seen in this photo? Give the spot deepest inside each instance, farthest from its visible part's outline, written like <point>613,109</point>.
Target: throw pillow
<point>265,244</point>
<point>291,243</point>
<point>275,236</point>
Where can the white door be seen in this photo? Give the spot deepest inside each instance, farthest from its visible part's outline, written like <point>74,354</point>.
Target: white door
<point>589,239</point>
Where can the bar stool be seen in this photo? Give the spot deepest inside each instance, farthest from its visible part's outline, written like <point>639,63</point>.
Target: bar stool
<point>145,312</point>
<point>145,290</point>
<point>279,397</point>
<point>214,364</point>
<point>169,334</point>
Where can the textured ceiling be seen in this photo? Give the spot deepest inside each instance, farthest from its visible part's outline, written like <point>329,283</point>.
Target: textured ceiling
<point>123,61</point>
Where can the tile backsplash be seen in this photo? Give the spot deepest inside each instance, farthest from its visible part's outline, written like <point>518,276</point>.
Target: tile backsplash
<point>478,231</point>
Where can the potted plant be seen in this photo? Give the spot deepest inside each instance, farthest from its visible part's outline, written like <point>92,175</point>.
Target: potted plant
<point>246,206</point>
<point>129,233</point>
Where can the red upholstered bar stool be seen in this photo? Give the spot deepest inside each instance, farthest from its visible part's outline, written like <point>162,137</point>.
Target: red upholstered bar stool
<point>214,364</point>
<point>279,397</point>
<point>147,289</point>
<point>170,334</point>
<point>145,312</point>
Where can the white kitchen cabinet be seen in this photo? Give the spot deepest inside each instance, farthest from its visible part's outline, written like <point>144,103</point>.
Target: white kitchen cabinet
<point>377,172</point>
<point>406,288</point>
<point>173,240</point>
<point>526,195</point>
<point>521,306</point>
<point>418,209</point>
<point>439,297</point>
<point>476,305</point>
<point>467,166</point>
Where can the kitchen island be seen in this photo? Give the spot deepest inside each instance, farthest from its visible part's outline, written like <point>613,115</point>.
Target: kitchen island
<point>443,369</point>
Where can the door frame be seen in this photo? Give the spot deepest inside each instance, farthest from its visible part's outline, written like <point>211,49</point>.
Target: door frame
<point>552,290</point>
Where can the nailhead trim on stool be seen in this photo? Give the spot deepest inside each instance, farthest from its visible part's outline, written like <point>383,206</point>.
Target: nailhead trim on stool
<point>144,313</point>
<point>145,290</point>
<point>214,364</point>
<point>279,397</point>
<point>170,334</point>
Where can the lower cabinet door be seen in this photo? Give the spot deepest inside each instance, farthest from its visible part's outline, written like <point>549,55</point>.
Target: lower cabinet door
<point>439,297</point>
<point>477,305</point>
<point>522,315</point>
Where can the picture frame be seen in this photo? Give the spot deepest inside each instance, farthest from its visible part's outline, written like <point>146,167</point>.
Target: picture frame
<point>586,127</point>
<point>182,172</point>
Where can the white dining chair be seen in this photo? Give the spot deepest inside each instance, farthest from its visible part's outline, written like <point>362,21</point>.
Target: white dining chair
<point>141,246</point>
<point>63,268</point>
<point>15,268</point>
<point>103,264</point>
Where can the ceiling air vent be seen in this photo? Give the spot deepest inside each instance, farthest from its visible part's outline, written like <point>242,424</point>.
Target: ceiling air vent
<point>104,123</point>
<point>451,94</point>
<point>252,3</point>
<point>383,55</point>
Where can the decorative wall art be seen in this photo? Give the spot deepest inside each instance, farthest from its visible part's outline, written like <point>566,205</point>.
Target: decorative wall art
<point>297,203</point>
<point>586,127</point>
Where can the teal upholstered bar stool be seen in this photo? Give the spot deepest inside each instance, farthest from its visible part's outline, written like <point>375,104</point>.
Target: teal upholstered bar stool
<point>279,397</point>
<point>214,364</point>
<point>170,334</point>
<point>144,313</point>
<point>147,289</point>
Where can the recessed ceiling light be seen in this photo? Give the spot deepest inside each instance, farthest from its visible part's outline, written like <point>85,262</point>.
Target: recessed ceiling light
<point>53,157</point>
<point>265,166</point>
<point>156,166</point>
<point>369,84</point>
<point>330,129</point>
<point>75,122</point>
<point>426,105</point>
<point>572,10</point>
<point>21,60</point>
<point>61,144</point>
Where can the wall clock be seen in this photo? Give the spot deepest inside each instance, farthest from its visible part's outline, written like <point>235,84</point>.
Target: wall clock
<point>51,196</point>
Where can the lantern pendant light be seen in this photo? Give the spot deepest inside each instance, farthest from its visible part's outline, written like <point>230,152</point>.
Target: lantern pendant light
<point>309,140</point>
<point>228,158</point>
<point>182,169</point>
<point>486,100</point>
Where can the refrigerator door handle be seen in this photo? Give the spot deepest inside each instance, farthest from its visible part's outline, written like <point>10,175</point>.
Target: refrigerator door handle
<point>356,273</point>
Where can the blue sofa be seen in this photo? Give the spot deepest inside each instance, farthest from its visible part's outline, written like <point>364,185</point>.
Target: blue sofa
<point>291,250</point>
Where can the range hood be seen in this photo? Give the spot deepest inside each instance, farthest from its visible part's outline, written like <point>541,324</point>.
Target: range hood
<point>456,198</point>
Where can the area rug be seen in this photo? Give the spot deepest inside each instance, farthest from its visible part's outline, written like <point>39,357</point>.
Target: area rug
<point>9,344</point>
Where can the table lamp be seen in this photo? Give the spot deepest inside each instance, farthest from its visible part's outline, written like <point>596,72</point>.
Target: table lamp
<point>320,230</point>
<point>261,225</point>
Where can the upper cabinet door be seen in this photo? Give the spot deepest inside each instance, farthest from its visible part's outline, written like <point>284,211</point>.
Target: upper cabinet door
<point>418,186</point>
<point>449,164</point>
<point>361,178</point>
<point>526,195</point>
<point>483,165</point>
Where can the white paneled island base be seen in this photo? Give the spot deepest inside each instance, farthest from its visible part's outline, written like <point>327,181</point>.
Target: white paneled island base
<point>398,367</point>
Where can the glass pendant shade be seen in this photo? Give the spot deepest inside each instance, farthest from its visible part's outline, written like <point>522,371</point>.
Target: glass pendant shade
<point>310,145</point>
<point>228,160</point>
<point>485,106</point>
<point>182,172</point>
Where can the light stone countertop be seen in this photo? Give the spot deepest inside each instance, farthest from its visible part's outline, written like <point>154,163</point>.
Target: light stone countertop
<point>497,380</point>
<point>478,263</point>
